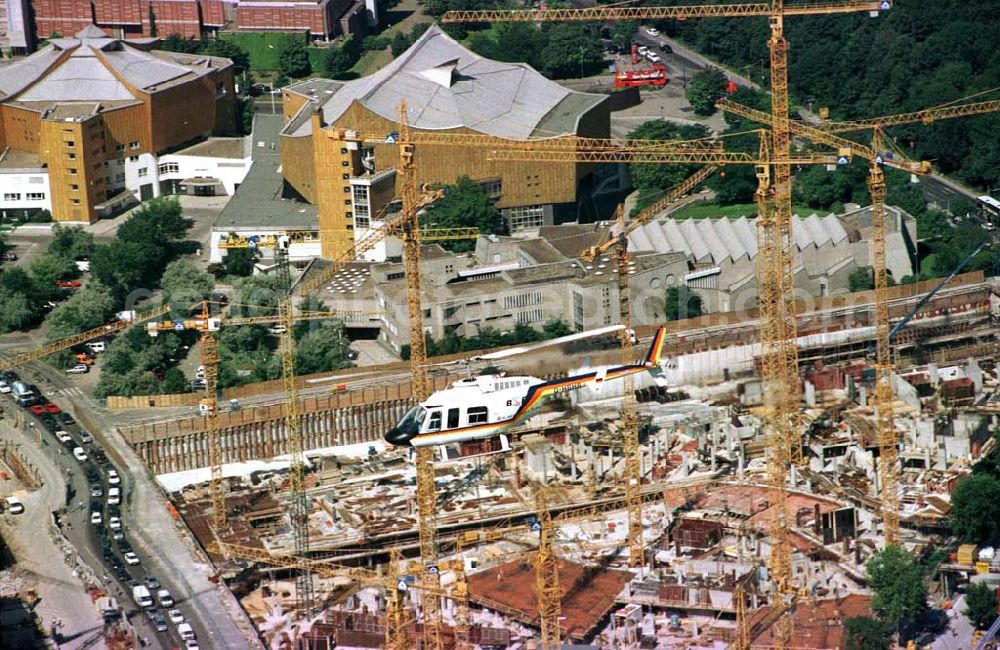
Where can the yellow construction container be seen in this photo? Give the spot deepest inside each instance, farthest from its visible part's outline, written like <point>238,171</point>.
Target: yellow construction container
<point>966,554</point>
<point>982,567</point>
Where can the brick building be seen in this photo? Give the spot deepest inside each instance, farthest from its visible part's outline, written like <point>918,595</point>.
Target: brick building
<point>15,27</point>
<point>193,18</point>
<point>448,88</point>
<point>83,120</point>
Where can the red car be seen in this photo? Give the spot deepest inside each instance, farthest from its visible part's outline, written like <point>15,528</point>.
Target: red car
<point>37,409</point>
<point>51,408</point>
<point>67,284</point>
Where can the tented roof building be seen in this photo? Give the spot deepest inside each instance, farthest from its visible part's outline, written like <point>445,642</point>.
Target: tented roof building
<point>87,105</point>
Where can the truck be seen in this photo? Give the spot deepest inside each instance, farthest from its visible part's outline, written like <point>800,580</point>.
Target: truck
<point>23,393</point>
<point>141,596</point>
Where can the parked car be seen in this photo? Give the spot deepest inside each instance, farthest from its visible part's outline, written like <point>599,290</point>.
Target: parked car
<point>51,408</point>
<point>79,369</point>
<point>152,583</point>
<point>160,623</point>
<point>8,257</point>
<point>85,438</point>
<point>85,359</point>
<point>131,558</point>
<point>95,518</point>
<point>115,523</point>
<point>176,616</point>
<point>113,477</point>
<point>652,31</point>
<point>65,438</point>
<point>37,409</point>
<point>166,600</point>
<point>277,329</point>
<point>14,505</point>
<point>96,346</point>
<point>66,418</point>
<point>79,454</point>
<point>96,491</point>
<point>114,496</point>
<point>4,387</point>
<point>67,284</point>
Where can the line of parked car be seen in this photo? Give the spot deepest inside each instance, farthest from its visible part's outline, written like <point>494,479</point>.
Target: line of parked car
<point>106,498</point>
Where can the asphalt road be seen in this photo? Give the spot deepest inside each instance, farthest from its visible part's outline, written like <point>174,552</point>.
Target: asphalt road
<point>152,533</point>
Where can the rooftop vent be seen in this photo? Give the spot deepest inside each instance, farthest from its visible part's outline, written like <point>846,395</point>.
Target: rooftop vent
<point>442,74</point>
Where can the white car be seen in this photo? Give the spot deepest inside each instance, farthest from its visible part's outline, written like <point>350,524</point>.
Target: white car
<point>14,505</point>
<point>176,616</point>
<point>652,31</point>
<point>63,437</point>
<point>200,372</point>
<point>653,57</point>
<point>131,558</point>
<point>95,518</point>
<point>166,600</point>
<point>643,50</point>
<point>78,369</point>
<point>113,478</point>
<point>191,644</point>
<point>115,523</point>
<point>277,329</point>
<point>4,387</point>
<point>79,454</point>
<point>114,496</point>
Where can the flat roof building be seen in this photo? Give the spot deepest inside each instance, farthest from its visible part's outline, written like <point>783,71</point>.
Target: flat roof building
<point>447,88</point>
<point>93,113</point>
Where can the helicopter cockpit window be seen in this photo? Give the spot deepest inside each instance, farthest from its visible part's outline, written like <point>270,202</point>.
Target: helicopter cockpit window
<point>478,415</point>
<point>453,418</point>
<point>410,424</point>
<point>434,424</point>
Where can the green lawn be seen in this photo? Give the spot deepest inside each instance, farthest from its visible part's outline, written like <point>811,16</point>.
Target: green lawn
<point>263,50</point>
<point>709,210</point>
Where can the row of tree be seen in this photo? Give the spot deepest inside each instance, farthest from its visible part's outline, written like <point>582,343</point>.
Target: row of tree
<point>489,337</point>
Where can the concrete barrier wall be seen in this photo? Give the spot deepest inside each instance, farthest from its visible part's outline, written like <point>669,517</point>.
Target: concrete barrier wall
<point>148,401</point>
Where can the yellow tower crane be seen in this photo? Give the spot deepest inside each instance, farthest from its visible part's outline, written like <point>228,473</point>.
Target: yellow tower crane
<point>630,419</point>
<point>779,358</point>
<point>878,157</point>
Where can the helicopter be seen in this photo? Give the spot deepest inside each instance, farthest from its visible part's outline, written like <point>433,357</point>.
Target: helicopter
<point>484,406</point>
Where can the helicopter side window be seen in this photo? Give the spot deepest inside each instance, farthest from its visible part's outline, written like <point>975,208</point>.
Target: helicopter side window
<point>453,418</point>
<point>434,424</point>
<point>478,415</point>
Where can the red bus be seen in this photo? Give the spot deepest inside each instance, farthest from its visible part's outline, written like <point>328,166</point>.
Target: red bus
<point>653,76</point>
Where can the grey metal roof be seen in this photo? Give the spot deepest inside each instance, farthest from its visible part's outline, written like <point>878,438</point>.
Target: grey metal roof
<point>258,201</point>
<point>714,240</point>
<point>84,69</point>
<point>447,86</point>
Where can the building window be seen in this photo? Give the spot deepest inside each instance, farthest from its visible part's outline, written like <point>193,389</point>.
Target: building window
<point>74,187</point>
<point>493,187</point>
<point>478,415</point>
<point>169,168</point>
<point>347,189</point>
<point>119,148</point>
<point>530,316</point>
<point>360,193</point>
<point>70,143</point>
<point>36,196</point>
<point>120,178</point>
<point>142,172</point>
<point>395,276</point>
<point>522,300</point>
<point>133,145</point>
<point>526,217</point>
<point>75,201</point>
<point>72,171</point>
<point>133,158</point>
<point>578,311</point>
<point>71,156</point>
<point>11,196</point>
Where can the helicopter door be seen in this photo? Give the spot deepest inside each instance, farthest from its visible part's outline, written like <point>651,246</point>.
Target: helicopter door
<point>504,442</point>
<point>453,418</point>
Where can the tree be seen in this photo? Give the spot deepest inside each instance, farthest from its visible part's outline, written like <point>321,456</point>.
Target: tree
<point>981,604</point>
<point>293,58</point>
<point>73,242</point>
<point>184,284</point>
<point>571,50</point>
<point>465,204</point>
<point>399,44</point>
<point>337,61</point>
<point>322,349</point>
<point>174,381</point>
<point>239,261</point>
<point>861,279</point>
<point>897,584</point>
<point>652,178</point>
<point>16,313</point>
<point>88,308</point>
<point>681,303</point>
<point>49,268</point>
<point>258,294</point>
<point>177,43</point>
<point>975,509</point>
<point>228,50</point>
<point>622,33</point>
<point>865,633</point>
<point>706,87</point>
<point>555,328</point>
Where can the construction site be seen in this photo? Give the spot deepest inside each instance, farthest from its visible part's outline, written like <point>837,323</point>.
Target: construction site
<point>715,482</point>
